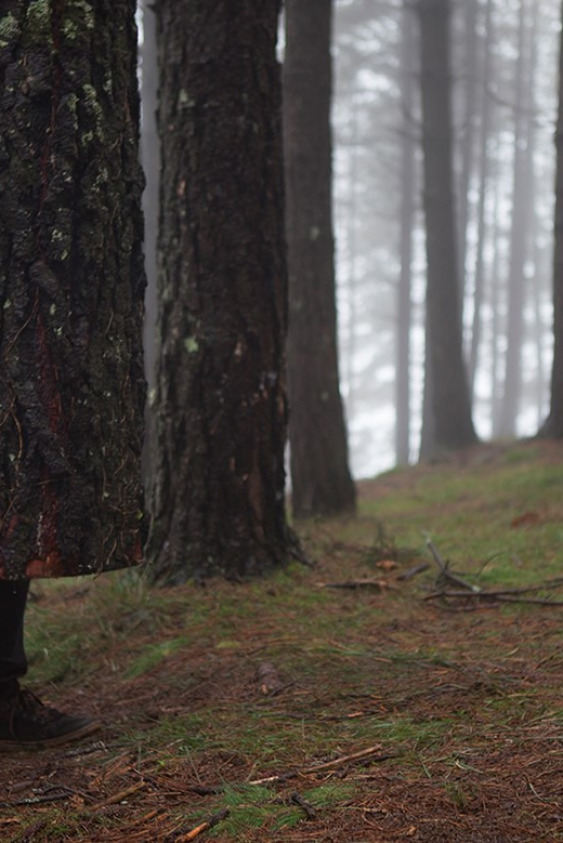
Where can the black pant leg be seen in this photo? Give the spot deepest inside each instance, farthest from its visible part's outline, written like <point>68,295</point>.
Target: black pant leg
<point>13,663</point>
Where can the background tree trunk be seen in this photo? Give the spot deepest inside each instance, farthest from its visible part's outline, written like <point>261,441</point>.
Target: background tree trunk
<point>217,499</point>
<point>71,289</point>
<point>448,418</point>
<point>522,213</point>
<point>150,157</point>
<point>554,424</point>
<point>320,477</point>
<point>407,218</point>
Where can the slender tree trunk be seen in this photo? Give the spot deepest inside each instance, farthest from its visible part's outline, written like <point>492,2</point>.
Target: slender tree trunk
<point>150,157</point>
<point>217,501</point>
<point>447,422</point>
<point>522,205</point>
<point>484,176</point>
<point>470,9</point>
<point>71,289</point>
<point>404,303</point>
<point>321,480</point>
<point>554,424</point>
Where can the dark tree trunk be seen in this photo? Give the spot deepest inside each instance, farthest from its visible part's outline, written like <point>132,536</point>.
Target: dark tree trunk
<point>321,480</point>
<point>71,288</point>
<point>554,424</point>
<point>217,500</point>
<point>447,423</point>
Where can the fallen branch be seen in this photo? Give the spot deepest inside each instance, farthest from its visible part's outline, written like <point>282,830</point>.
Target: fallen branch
<point>328,765</point>
<point>119,797</point>
<point>297,799</point>
<point>445,573</point>
<point>412,572</point>
<point>508,596</point>
<point>378,584</point>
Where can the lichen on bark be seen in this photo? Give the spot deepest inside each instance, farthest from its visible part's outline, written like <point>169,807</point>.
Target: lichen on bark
<point>71,289</point>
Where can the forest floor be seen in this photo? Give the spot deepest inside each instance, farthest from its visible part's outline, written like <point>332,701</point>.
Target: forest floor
<point>352,701</point>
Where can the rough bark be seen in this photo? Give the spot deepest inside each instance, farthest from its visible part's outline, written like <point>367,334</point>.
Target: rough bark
<point>71,288</point>
<point>217,500</point>
<point>447,421</point>
<point>321,480</point>
<point>553,426</point>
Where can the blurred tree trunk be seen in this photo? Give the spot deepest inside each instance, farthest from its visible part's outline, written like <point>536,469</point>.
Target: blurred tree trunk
<point>554,424</point>
<point>407,215</point>
<point>150,158</point>
<point>522,213</point>
<point>469,87</point>
<point>217,500</point>
<point>321,480</point>
<point>447,420</point>
<point>71,289</point>
<point>484,179</point>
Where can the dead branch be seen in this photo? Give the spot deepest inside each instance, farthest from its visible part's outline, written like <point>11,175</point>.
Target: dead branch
<point>296,799</point>
<point>377,584</point>
<point>205,826</point>
<point>412,572</point>
<point>445,573</point>
<point>328,765</point>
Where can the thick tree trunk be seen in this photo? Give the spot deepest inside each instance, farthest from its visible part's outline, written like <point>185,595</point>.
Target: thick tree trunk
<point>447,423</point>
<point>321,480</point>
<point>554,424</point>
<point>71,288</point>
<point>217,501</point>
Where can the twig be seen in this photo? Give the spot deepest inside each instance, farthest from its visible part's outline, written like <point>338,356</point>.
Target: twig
<point>444,569</point>
<point>119,797</point>
<point>412,572</point>
<point>205,826</point>
<point>501,596</point>
<point>379,584</point>
<point>327,765</point>
<point>297,799</point>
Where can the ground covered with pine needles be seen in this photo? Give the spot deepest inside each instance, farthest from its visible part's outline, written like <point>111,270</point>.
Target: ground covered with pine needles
<point>372,697</point>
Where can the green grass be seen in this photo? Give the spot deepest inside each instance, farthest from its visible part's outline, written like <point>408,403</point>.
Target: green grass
<point>434,687</point>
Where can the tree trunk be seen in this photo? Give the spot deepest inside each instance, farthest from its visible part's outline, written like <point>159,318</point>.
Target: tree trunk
<point>407,214</point>
<point>150,157</point>
<point>554,424</point>
<point>71,289</point>
<point>217,499</point>
<point>447,423</point>
<point>522,209</point>
<point>484,178</point>
<point>321,480</point>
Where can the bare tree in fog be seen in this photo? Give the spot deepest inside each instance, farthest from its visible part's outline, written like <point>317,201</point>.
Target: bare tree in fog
<point>321,480</point>
<point>447,422</point>
<point>554,423</point>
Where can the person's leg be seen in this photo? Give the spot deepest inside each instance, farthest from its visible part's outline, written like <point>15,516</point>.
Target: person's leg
<point>13,663</point>
<point>26,723</point>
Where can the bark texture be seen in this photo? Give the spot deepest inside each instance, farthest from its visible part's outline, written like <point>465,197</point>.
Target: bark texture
<point>447,423</point>
<point>217,502</point>
<point>321,480</point>
<point>71,288</point>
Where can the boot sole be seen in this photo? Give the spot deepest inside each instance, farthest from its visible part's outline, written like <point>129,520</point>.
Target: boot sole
<point>76,734</point>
